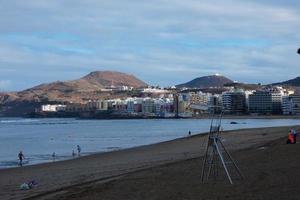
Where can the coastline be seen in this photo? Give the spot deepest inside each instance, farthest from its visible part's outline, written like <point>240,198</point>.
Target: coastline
<point>55,177</point>
<point>120,117</point>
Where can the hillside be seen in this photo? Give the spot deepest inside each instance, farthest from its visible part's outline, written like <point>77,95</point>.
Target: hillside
<point>206,82</point>
<point>292,82</point>
<point>78,90</point>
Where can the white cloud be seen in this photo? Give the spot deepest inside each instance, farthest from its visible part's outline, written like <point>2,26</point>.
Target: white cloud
<point>163,42</point>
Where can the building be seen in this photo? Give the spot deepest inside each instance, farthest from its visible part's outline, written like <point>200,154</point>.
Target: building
<point>291,104</point>
<point>199,98</point>
<point>214,104</point>
<point>234,102</point>
<point>148,106</point>
<point>265,102</point>
<point>53,108</point>
<point>260,102</point>
<point>276,102</point>
<point>180,104</point>
<point>97,105</point>
<point>287,105</point>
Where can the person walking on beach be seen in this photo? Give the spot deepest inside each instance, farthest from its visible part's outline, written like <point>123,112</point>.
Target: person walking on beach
<point>73,153</point>
<point>78,150</point>
<point>190,133</point>
<point>21,157</point>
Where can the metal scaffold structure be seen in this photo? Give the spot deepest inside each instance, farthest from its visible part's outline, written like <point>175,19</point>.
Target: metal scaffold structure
<point>216,156</point>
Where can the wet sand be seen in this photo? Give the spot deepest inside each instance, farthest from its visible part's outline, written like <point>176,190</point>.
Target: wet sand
<point>160,171</point>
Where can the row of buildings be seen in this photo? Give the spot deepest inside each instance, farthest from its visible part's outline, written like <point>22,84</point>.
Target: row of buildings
<point>260,102</point>
<point>152,107</point>
<point>268,101</point>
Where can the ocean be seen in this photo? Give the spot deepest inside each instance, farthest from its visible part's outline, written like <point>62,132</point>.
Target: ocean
<point>39,138</point>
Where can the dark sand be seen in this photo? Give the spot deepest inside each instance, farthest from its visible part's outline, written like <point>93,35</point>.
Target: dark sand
<point>169,170</point>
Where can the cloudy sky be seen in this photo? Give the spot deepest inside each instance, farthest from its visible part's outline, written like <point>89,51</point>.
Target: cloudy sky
<point>163,42</point>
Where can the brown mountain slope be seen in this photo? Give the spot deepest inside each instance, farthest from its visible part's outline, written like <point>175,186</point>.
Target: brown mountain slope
<point>79,89</point>
<point>108,78</point>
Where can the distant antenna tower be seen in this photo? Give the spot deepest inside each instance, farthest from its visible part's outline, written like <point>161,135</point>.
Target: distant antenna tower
<point>216,155</point>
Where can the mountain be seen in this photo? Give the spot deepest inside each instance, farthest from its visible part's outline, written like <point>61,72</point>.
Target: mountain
<point>245,86</point>
<point>92,82</point>
<point>206,82</point>
<point>78,90</point>
<point>292,82</point>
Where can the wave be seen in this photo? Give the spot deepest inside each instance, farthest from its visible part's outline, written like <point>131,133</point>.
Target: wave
<point>18,120</point>
<point>34,122</point>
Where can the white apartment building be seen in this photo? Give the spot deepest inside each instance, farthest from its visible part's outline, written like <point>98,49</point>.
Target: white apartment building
<point>53,108</point>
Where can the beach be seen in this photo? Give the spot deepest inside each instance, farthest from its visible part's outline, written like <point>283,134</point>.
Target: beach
<point>164,170</point>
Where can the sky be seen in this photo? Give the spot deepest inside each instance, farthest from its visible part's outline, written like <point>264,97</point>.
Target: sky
<point>162,42</point>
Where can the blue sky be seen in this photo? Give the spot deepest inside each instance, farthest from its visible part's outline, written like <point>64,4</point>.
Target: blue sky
<point>163,42</point>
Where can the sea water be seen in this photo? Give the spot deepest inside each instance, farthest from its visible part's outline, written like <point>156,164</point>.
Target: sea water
<point>39,138</point>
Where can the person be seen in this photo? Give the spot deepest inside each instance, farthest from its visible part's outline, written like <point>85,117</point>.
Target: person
<point>21,157</point>
<point>73,153</point>
<point>53,156</point>
<point>78,150</point>
<point>190,133</point>
<point>294,133</point>
<point>290,139</point>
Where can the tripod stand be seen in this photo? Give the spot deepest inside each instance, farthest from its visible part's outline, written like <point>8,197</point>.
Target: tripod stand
<point>216,155</point>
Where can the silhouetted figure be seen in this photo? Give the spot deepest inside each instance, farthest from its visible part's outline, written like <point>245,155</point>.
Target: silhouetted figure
<point>73,153</point>
<point>298,51</point>
<point>78,150</point>
<point>21,157</point>
<point>53,156</point>
<point>190,133</point>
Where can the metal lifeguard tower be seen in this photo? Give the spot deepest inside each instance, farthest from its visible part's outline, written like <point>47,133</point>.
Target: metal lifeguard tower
<point>216,156</point>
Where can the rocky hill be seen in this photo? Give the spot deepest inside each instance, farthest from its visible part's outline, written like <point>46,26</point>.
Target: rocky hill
<point>206,82</point>
<point>86,87</point>
<point>292,82</point>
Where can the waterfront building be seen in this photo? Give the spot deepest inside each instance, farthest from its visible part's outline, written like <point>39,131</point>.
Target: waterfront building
<point>199,98</point>
<point>287,105</point>
<point>260,102</point>
<point>265,102</point>
<point>148,106</point>
<point>276,102</point>
<point>76,107</point>
<point>53,108</point>
<point>97,105</point>
<point>214,103</point>
<point>180,104</point>
<point>291,104</point>
<point>234,102</point>
<point>130,106</point>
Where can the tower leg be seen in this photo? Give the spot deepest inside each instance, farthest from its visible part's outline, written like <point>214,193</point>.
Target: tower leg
<point>222,160</point>
<point>235,165</point>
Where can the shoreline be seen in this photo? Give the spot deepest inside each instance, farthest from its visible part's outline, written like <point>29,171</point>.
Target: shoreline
<point>65,157</point>
<point>167,118</point>
<point>61,174</point>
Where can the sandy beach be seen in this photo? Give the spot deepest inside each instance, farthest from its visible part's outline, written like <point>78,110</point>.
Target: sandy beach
<point>167,170</point>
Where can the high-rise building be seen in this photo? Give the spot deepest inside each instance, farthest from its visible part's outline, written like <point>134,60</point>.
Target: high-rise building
<point>234,102</point>
<point>276,102</point>
<point>260,102</point>
<point>291,104</point>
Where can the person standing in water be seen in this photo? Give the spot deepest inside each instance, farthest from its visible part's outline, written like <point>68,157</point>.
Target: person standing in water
<point>53,156</point>
<point>21,157</point>
<point>78,150</point>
